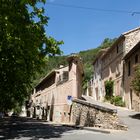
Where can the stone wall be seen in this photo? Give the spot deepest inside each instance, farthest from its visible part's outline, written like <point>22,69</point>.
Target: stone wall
<point>132,100</point>
<point>87,114</point>
<point>131,39</point>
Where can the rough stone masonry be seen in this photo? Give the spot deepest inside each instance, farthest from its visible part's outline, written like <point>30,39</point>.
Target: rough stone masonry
<point>85,113</point>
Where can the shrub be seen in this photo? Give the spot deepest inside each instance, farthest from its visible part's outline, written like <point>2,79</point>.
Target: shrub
<point>117,101</point>
<point>109,84</point>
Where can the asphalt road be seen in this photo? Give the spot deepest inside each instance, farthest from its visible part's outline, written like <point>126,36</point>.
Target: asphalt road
<point>29,129</point>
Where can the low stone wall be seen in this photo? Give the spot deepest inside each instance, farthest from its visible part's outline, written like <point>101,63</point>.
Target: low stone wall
<point>92,115</point>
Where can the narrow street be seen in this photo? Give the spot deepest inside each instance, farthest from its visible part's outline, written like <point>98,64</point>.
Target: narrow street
<point>132,120</point>
<point>30,129</point>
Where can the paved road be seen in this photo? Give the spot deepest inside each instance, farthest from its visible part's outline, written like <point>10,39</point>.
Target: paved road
<point>132,120</point>
<point>29,129</point>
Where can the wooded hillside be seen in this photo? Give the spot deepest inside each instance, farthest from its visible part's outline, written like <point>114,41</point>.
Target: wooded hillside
<point>87,57</point>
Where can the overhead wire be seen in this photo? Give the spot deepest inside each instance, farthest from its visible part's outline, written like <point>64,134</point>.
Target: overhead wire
<point>94,9</point>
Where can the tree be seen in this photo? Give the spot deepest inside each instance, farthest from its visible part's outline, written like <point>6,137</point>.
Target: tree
<point>135,84</point>
<point>89,56</point>
<point>24,47</point>
<point>107,43</point>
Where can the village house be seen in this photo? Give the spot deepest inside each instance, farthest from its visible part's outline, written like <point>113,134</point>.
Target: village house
<point>112,66</point>
<point>97,77</point>
<point>131,60</point>
<point>52,97</point>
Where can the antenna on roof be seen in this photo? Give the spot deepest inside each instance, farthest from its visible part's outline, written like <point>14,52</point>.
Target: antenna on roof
<point>135,13</point>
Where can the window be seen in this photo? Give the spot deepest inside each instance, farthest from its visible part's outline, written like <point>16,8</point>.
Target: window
<point>129,68</point>
<point>136,58</point>
<point>117,48</point>
<point>117,69</point>
<point>65,76</point>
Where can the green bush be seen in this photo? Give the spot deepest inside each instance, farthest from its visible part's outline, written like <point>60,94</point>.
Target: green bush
<point>117,101</point>
<point>109,84</point>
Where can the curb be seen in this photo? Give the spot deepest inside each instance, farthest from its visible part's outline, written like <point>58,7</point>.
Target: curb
<point>94,129</point>
<point>97,130</point>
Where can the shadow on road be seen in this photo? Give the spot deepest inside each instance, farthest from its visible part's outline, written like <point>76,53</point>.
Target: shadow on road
<point>136,116</point>
<point>11,128</point>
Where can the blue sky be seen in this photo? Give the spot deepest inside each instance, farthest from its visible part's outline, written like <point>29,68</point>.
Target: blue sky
<point>82,29</point>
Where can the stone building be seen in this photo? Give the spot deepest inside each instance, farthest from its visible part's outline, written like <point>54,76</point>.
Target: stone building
<point>52,97</point>
<point>131,60</point>
<point>97,76</point>
<point>112,63</point>
<point>88,91</point>
<point>112,66</point>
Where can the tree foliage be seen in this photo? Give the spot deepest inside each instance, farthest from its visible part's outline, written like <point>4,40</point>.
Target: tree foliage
<point>88,56</point>
<point>109,86</point>
<point>135,84</point>
<point>52,63</point>
<point>24,47</point>
<point>107,42</point>
<point>117,101</point>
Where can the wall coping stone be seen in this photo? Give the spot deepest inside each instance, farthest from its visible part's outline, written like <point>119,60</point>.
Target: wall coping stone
<point>97,106</point>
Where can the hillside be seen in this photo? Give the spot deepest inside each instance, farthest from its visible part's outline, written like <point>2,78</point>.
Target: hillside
<point>87,57</point>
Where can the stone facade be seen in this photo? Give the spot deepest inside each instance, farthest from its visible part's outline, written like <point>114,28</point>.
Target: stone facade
<point>112,64</point>
<point>131,39</point>
<point>93,115</point>
<point>112,67</point>
<point>98,93</point>
<point>132,59</point>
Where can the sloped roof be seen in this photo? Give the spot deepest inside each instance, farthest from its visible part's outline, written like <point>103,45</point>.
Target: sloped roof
<point>134,49</point>
<point>121,37</point>
<point>45,78</point>
<point>130,31</point>
<point>49,75</point>
<point>70,58</point>
<point>101,52</point>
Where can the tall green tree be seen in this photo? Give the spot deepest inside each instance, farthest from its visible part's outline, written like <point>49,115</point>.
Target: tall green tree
<point>24,47</point>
